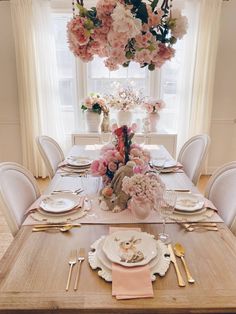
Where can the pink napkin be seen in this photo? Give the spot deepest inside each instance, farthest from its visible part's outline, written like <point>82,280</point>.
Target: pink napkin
<point>178,167</point>
<point>133,282</point>
<point>209,204</point>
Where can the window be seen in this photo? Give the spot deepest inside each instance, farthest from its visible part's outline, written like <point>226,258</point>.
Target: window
<point>172,82</point>
<point>66,71</point>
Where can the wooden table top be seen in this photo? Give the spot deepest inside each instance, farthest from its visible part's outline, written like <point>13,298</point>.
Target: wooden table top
<point>34,270</point>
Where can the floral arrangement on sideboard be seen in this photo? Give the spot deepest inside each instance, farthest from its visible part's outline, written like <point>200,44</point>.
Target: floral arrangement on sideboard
<point>126,30</point>
<point>95,103</point>
<point>113,156</point>
<point>153,105</point>
<point>124,98</point>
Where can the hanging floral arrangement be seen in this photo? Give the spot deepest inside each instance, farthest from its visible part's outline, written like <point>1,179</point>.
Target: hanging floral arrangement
<point>122,31</point>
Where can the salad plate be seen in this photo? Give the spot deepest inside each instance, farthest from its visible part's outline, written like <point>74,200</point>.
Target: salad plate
<point>130,248</point>
<point>164,163</point>
<point>189,202</point>
<point>59,203</point>
<point>78,162</point>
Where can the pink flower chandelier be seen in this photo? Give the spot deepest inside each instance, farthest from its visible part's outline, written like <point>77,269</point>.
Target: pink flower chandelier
<point>122,31</point>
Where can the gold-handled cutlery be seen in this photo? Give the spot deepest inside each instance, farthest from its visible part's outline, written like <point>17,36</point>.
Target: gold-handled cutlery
<point>200,226</point>
<point>62,229</point>
<point>181,282</point>
<point>81,257</point>
<point>57,227</point>
<point>180,252</point>
<point>72,262</point>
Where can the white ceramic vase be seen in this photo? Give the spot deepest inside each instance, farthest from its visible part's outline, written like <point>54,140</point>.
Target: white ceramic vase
<point>124,117</point>
<point>153,121</point>
<point>93,121</point>
<point>139,208</point>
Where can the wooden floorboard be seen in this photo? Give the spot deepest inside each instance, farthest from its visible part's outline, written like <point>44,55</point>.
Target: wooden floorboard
<point>5,234</point>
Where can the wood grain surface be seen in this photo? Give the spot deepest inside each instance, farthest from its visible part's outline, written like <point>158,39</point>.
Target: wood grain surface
<point>34,270</point>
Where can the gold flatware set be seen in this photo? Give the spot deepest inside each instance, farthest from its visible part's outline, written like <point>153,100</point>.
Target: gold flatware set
<point>179,251</point>
<point>75,258</point>
<point>200,226</point>
<point>54,227</point>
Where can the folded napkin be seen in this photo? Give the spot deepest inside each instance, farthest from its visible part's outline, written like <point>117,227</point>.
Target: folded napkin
<point>209,204</point>
<point>132,282</point>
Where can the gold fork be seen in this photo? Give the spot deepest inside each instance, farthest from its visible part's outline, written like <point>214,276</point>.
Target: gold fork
<point>80,260</point>
<point>72,262</point>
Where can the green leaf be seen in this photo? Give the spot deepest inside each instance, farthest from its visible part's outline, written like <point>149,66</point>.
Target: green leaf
<point>142,13</point>
<point>136,3</point>
<point>154,4</point>
<point>83,107</point>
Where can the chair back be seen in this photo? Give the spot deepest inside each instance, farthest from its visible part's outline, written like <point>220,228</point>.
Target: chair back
<point>18,190</point>
<point>221,190</point>
<point>51,153</point>
<point>193,155</point>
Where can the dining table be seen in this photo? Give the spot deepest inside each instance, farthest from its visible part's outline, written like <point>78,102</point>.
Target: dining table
<point>34,269</point>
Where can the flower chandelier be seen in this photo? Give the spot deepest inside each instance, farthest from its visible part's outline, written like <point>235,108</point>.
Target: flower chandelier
<point>122,31</point>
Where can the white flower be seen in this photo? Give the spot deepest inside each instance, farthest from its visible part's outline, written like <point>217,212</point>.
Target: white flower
<point>125,22</point>
<point>180,24</point>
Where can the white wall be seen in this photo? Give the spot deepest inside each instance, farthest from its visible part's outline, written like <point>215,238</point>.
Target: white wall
<point>10,140</point>
<point>223,125</point>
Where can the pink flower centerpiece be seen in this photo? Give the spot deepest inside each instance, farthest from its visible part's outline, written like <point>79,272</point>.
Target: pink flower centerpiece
<point>146,190</point>
<point>126,30</point>
<point>115,156</point>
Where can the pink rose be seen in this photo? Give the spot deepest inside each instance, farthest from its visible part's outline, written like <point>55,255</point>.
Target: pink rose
<point>99,167</point>
<point>112,166</point>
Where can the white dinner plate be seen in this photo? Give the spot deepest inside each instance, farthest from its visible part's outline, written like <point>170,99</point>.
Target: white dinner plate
<point>189,202</point>
<point>108,264</point>
<point>130,248</point>
<point>164,164</point>
<point>78,161</point>
<point>59,203</point>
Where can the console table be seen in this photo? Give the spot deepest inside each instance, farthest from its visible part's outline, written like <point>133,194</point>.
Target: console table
<point>165,139</point>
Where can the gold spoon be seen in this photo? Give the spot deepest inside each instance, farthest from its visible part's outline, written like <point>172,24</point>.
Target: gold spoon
<point>62,229</point>
<point>180,251</point>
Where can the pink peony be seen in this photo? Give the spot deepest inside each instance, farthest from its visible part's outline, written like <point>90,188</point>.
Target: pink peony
<point>99,167</point>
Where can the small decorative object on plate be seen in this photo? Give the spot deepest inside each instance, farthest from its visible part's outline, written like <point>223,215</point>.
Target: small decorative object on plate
<point>130,248</point>
<point>159,264</point>
<point>123,31</point>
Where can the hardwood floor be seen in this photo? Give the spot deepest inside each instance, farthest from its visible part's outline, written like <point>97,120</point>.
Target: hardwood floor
<point>5,234</point>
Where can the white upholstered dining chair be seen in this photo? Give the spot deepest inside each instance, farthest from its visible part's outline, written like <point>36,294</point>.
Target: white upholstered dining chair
<point>18,190</point>
<point>221,190</point>
<point>51,153</point>
<point>193,155</point>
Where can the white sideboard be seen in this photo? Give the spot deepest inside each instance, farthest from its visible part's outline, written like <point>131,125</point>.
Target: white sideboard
<point>167,140</point>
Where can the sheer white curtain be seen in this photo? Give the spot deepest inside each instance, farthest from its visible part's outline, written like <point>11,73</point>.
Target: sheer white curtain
<point>204,73</point>
<point>37,78</point>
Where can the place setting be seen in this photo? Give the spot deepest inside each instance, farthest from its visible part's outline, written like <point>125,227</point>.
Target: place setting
<point>131,260</point>
<point>57,211</point>
<point>166,166</point>
<point>75,165</point>
<point>192,207</point>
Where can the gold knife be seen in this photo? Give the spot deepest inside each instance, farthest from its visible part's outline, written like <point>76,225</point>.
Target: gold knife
<point>181,282</point>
